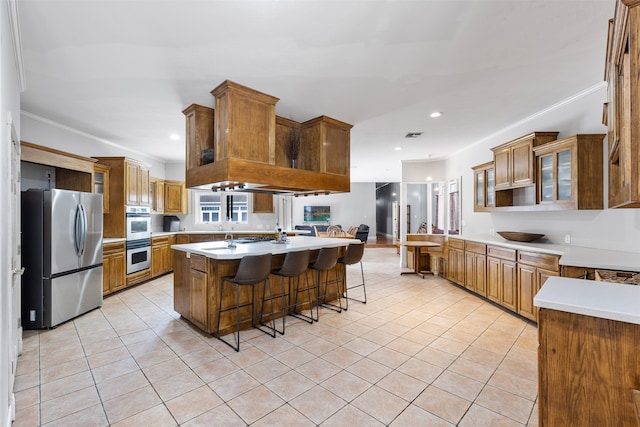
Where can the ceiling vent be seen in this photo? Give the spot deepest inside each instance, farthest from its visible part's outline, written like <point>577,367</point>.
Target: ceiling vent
<point>413,134</point>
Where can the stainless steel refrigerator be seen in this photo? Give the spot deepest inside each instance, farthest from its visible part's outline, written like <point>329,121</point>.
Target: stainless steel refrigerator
<point>61,254</point>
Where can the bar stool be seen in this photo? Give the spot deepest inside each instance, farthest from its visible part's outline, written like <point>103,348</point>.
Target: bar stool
<point>253,269</point>
<point>326,261</point>
<point>352,256</point>
<point>295,263</point>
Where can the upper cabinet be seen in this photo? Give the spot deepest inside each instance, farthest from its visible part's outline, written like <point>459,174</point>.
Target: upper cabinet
<point>621,72</point>
<point>136,178</point>
<point>484,187</point>
<point>156,190</point>
<point>175,197</point>
<point>570,173</point>
<point>168,197</point>
<point>514,162</point>
<point>262,203</point>
<point>101,184</point>
<point>72,172</point>
<point>128,185</point>
<point>537,172</point>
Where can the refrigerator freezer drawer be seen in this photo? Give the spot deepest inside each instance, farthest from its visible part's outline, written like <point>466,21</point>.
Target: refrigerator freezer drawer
<point>67,297</point>
<point>75,294</point>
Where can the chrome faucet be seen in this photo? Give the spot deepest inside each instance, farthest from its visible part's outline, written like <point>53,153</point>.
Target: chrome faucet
<point>229,238</point>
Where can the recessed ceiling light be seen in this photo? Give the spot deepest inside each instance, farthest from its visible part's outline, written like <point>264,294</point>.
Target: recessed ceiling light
<point>174,136</point>
<point>435,114</point>
<point>398,148</point>
<point>413,134</point>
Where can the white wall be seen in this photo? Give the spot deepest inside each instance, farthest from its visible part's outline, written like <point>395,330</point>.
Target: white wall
<point>10,339</point>
<point>614,229</point>
<point>347,209</point>
<point>50,134</point>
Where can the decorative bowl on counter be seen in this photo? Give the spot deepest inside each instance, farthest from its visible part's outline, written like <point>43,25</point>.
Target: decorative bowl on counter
<point>517,236</point>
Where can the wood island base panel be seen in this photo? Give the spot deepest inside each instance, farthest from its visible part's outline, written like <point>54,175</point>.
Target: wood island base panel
<point>200,267</point>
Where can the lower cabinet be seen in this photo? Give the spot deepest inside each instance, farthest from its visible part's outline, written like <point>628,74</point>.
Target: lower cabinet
<point>475,267</point>
<point>198,286</point>
<point>455,265</point>
<point>114,267</point>
<point>533,270</point>
<point>501,276</point>
<point>191,289</point>
<point>161,255</point>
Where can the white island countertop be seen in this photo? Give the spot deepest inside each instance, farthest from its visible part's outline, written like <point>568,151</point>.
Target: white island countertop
<point>220,250</point>
<point>605,300</point>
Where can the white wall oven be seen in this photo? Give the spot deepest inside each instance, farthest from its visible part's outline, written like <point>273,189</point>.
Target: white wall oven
<point>138,255</point>
<point>138,220</point>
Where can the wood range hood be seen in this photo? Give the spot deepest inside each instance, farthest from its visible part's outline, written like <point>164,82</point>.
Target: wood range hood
<point>247,147</point>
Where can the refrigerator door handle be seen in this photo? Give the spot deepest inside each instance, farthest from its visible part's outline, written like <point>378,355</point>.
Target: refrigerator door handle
<point>83,240</point>
<point>78,227</point>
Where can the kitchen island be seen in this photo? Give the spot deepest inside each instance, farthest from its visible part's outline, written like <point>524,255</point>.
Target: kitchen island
<point>200,267</point>
<point>588,358</point>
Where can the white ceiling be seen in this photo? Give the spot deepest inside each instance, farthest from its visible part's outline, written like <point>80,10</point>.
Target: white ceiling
<point>123,71</point>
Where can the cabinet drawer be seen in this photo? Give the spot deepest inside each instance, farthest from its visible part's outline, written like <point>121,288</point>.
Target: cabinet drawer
<point>456,244</point>
<point>478,248</point>
<point>157,241</point>
<point>199,262</point>
<point>112,248</point>
<point>502,253</point>
<point>548,262</point>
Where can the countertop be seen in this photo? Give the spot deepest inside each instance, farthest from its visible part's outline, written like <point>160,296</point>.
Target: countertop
<point>113,240</point>
<point>223,232</point>
<point>604,300</point>
<point>219,249</point>
<point>576,256</point>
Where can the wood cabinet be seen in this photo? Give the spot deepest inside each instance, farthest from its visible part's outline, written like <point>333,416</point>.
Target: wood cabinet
<point>175,197</point>
<point>250,148</point>
<point>475,266</point>
<point>156,190</point>
<point>483,187</point>
<point>623,98</point>
<point>570,173</point>
<point>455,264</point>
<point>588,370</point>
<point>161,256</point>
<point>262,203</point>
<point>114,267</point>
<point>101,184</point>
<point>513,161</point>
<point>501,276</point>
<point>128,184</point>
<point>533,270</point>
<point>72,172</point>
<point>136,178</point>
<point>169,197</point>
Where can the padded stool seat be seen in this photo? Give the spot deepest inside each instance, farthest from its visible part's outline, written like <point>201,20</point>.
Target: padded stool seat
<point>253,270</point>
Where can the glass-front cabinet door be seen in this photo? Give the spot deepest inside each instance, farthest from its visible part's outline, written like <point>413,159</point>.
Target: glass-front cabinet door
<point>479,193</point>
<point>563,159</point>
<point>555,175</point>
<point>491,191</point>
<point>484,187</point>
<point>546,178</point>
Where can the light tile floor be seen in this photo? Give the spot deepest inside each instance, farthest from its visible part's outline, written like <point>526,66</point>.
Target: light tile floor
<point>420,352</point>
